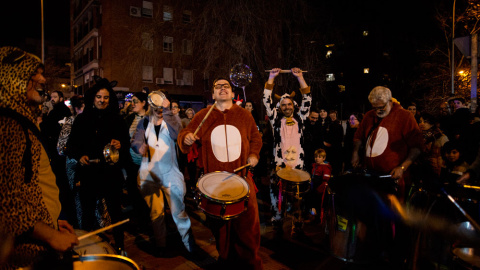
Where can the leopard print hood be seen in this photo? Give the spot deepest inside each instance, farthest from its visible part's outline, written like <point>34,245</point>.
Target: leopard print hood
<point>16,69</point>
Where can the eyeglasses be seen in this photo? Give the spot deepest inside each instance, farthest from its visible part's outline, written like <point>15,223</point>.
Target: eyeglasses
<point>174,107</point>
<point>380,108</point>
<point>220,86</point>
<point>135,101</point>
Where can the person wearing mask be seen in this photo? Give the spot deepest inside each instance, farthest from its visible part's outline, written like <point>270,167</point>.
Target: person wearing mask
<point>159,175</point>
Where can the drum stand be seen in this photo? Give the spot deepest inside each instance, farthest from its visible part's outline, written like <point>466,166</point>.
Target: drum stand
<point>297,213</point>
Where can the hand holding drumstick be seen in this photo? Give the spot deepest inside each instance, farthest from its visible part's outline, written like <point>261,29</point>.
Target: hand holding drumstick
<point>190,138</point>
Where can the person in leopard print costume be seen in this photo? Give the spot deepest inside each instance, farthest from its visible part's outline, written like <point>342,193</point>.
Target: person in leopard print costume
<point>29,204</point>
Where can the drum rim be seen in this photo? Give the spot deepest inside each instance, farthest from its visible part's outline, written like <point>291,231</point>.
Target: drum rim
<point>225,217</point>
<point>306,173</point>
<point>247,195</point>
<point>109,257</point>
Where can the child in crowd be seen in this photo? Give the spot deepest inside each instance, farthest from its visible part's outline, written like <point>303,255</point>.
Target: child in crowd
<point>454,162</point>
<point>321,173</point>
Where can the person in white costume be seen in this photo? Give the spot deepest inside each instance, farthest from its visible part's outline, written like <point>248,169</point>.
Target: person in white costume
<point>159,175</point>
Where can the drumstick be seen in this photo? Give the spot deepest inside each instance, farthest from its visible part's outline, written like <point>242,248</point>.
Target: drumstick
<point>103,229</point>
<point>285,71</point>
<point>201,123</point>
<point>239,168</point>
<point>474,187</point>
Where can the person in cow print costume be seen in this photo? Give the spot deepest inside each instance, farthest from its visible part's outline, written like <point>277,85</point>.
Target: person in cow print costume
<point>287,120</point>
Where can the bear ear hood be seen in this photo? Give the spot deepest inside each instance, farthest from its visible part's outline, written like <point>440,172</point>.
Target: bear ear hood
<point>16,69</point>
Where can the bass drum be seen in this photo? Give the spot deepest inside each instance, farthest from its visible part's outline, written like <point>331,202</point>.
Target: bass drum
<point>359,223</point>
<point>104,262</point>
<point>92,245</point>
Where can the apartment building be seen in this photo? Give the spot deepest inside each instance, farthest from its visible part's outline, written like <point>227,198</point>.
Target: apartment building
<point>140,44</point>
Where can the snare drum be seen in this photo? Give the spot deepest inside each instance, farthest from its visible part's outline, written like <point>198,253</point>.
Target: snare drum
<point>104,262</point>
<point>294,182</point>
<point>222,195</point>
<point>92,245</point>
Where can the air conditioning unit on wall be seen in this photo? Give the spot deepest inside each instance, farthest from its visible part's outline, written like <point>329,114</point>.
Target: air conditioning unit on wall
<point>159,81</point>
<point>135,11</point>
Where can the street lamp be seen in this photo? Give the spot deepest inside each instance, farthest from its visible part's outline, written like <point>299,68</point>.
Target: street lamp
<point>43,35</point>
<point>453,49</point>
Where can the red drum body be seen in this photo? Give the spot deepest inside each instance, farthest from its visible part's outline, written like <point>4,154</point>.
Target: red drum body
<point>104,262</point>
<point>294,182</point>
<point>222,195</point>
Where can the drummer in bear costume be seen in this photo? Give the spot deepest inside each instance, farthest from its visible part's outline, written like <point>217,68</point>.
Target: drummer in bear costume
<point>230,139</point>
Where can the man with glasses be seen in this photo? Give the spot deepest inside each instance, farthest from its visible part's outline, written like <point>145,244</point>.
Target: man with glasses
<point>393,142</point>
<point>230,139</point>
<point>392,136</point>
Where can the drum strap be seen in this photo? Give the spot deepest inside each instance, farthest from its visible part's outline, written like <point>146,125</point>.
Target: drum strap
<point>26,125</point>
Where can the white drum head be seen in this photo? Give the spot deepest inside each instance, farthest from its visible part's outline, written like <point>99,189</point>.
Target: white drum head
<point>223,186</point>
<point>293,175</point>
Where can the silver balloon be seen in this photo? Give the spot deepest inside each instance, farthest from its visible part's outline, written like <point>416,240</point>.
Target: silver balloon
<point>240,75</point>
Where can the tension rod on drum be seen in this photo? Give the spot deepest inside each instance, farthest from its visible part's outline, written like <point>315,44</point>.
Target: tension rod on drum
<point>103,229</point>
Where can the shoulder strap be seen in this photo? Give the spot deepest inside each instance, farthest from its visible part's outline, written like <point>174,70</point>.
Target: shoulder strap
<point>26,125</point>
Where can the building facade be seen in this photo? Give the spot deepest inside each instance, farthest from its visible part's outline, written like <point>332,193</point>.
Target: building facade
<point>140,44</point>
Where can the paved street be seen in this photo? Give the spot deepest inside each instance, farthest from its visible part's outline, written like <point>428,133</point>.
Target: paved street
<point>277,251</point>
<point>309,251</point>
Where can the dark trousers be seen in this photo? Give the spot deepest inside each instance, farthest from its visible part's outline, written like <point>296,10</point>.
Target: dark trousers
<point>99,181</point>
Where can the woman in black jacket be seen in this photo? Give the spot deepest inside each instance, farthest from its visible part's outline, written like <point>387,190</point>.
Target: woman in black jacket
<point>100,124</point>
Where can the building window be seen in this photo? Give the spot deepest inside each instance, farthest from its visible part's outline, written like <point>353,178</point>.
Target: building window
<point>168,44</point>
<point>147,74</point>
<point>168,75</point>
<point>187,47</point>
<point>167,13</point>
<point>187,77</point>
<point>147,41</point>
<point>329,53</point>
<point>365,33</point>
<point>330,77</point>
<point>366,70</point>
<point>147,9</point>
<point>187,16</point>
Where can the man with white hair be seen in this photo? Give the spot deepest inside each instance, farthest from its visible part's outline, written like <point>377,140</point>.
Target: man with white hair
<point>392,141</point>
<point>392,136</point>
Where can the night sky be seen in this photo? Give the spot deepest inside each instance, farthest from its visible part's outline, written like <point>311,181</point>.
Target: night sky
<point>20,19</point>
